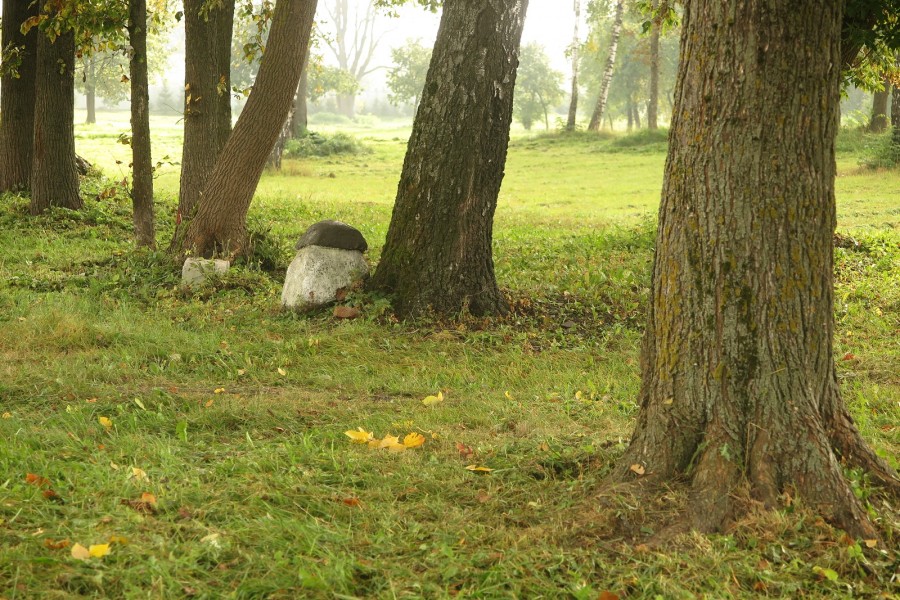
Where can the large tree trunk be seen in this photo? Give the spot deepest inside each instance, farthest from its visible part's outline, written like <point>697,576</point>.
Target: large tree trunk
<point>653,101</point>
<point>220,225</point>
<point>17,98</point>
<point>54,179</point>
<point>141,162</point>
<point>738,378</point>
<point>597,117</point>
<point>90,91</point>
<point>879,119</point>
<point>300,114</point>
<point>573,102</point>
<point>437,256</point>
<point>207,102</point>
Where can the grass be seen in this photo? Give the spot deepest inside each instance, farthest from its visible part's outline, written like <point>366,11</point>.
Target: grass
<point>236,411</point>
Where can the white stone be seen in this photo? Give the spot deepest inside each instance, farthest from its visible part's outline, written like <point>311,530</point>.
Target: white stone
<point>317,274</point>
<point>197,270</point>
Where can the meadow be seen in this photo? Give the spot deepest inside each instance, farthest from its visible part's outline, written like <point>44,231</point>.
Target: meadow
<point>195,438</point>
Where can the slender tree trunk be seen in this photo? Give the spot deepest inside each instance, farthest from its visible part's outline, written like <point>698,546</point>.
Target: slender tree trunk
<point>207,102</point>
<point>346,104</point>
<point>90,91</point>
<point>637,114</point>
<point>597,117</point>
<point>54,179</point>
<point>141,162</point>
<point>220,225</point>
<point>437,256</point>
<point>630,113</point>
<point>895,112</point>
<point>300,115</point>
<point>653,102</point>
<point>879,120</point>
<point>17,98</point>
<point>738,379</point>
<point>573,103</point>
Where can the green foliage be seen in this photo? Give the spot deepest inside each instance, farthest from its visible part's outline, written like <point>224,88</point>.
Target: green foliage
<point>316,144</point>
<point>538,86</point>
<point>407,77</point>
<point>881,152</point>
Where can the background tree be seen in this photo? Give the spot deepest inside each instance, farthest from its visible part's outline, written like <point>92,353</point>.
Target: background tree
<point>538,86</point>
<point>219,227</point>
<point>597,115</point>
<point>207,99</point>
<point>878,122</point>
<point>352,40</point>
<point>17,83</point>
<point>407,77</point>
<point>573,51</point>
<point>737,355</point>
<point>437,256</point>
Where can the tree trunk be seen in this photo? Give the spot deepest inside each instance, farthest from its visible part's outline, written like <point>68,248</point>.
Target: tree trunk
<point>597,117</point>
<point>90,92</point>
<point>17,99</point>
<point>573,103</point>
<point>879,120</point>
<point>738,379</point>
<point>141,161</point>
<point>437,256</point>
<point>346,104</point>
<point>207,102</point>
<point>300,114</point>
<point>637,114</point>
<point>653,102</point>
<point>895,112</point>
<point>220,227</point>
<point>630,112</point>
<point>54,179</point>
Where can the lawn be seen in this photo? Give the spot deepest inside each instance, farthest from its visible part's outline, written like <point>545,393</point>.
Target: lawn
<point>201,433</point>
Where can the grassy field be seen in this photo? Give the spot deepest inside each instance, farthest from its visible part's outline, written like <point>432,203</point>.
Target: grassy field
<point>200,434</point>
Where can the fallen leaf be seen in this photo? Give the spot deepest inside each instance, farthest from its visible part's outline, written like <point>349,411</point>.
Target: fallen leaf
<point>219,391</point>
<point>432,400</point>
<point>544,447</point>
<point>80,552</point>
<point>106,422</point>
<point>208,403</point>
<point>282,372</point>
<point>478,469</point>
<point>636,468</point>
<point>117,539</point>
<point>54,545</point>
<point>91,400</point>
<point>871,543</point>
<point>139,474</point>
<point>352,501</point>
<point>465,451</point>
<point>508,395</point>
<point>99,550</point>
<point>482,496</point>
<point>849,356</point>
<point>114,466</point>
<point>50,494</point>
<point>605,595</point>
<point>7,415</point>
<point>141,506</point>
<point>392,443</point>
<point>346,312</point>
<point>361,436</point>
<point>32,479</point>
<point>148,498</point>
<point>413,440</point>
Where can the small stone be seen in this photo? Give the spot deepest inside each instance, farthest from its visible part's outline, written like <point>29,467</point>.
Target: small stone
<point>333,234</point>
<point>197,270</point>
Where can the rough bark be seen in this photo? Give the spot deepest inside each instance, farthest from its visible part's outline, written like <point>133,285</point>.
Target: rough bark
<point>219,227</point>
<point>738,379</point>
<point>573,102</point>
<point>437,256</point>
<point>17,98</point>
<point>141,161</point>
<point>895,112</point>
<point>90,92</point>
<point>878,122</point>
<point>54,179</point>
<point>599,109</point>
<point>653,101</point>
<point>207,103</point>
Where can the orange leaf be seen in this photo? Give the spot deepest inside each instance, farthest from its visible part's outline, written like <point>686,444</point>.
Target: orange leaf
<point>639,469</point>
<point>148,498</point>
<point>345,312</point>
<point>352,501</point>
<point>32,479</point>
<point>80,552</point>
<point>607,596</point>
<point>54,545</point>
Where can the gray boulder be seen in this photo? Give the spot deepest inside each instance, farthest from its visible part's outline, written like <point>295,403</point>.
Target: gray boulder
<point>317,274</point>
<point>333,234</point>
<point>197,270</point>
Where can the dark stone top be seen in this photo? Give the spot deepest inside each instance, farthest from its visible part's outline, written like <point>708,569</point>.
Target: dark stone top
<point>333,234</point>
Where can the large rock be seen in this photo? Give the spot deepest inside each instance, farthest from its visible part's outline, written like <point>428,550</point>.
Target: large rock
<point>317,274</point>
<point>333,234</point>
<point>197,270</point>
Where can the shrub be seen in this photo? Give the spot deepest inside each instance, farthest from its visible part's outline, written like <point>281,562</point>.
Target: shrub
<point>317,144</point>
<point>327,118</point>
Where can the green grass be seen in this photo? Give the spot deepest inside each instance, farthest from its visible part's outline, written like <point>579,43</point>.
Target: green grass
<point>237,411</point>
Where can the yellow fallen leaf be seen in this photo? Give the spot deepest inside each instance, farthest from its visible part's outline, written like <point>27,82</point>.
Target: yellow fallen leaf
<point>80,552</point>
<point>208,403</point>
<point>636,468</point>
<point>871,543</point>
<point>282,372</point>
<point>413,440</point>
<point>578,395</point>
<point>7,415</point>
<point>148,498</point>
<point>478,469</point>
<point>392,443</point>
<point>105,421</point>
<point>508,395</point>
<point>219,391</point>
<point>139,474</point>
<point>114,466</point>
<point>432,400</point>
<point>361,436</point>
<point>117,539</point>
<point>99,550</point>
